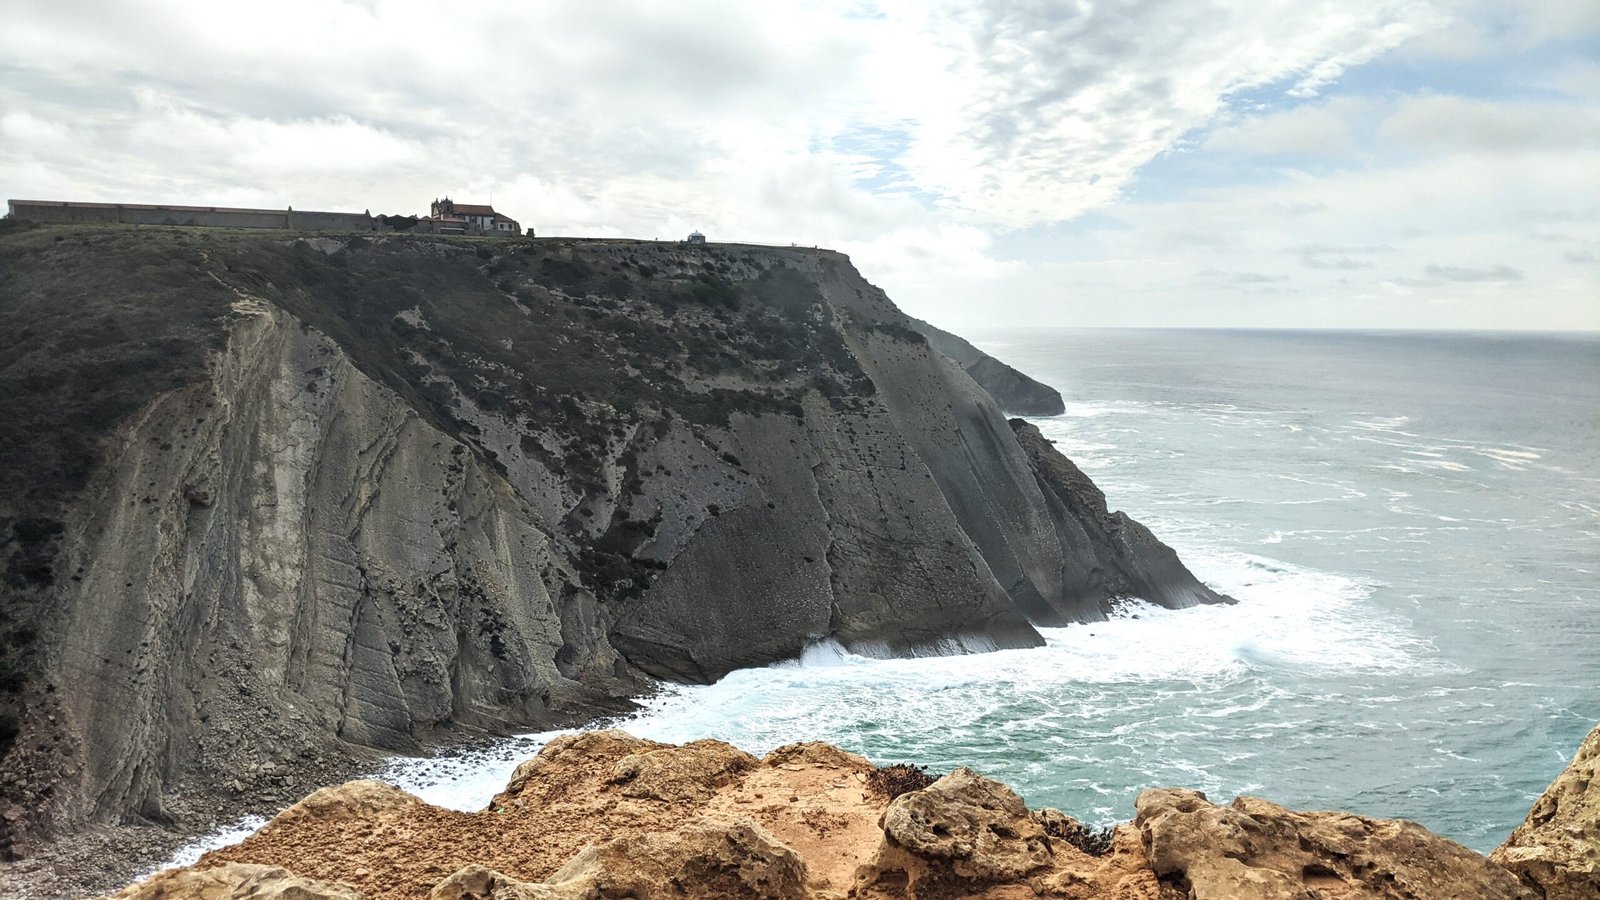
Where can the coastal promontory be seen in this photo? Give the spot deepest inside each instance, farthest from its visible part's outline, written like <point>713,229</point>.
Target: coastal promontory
<point>276,504</point>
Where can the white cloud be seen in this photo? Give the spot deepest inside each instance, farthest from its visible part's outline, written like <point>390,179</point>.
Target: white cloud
<point>1014,115</point>
<point>1049,109</point>
<point>1320,129</point>
<point>1451,124</point>
<point>1477,28</point>
<point>917,136</point>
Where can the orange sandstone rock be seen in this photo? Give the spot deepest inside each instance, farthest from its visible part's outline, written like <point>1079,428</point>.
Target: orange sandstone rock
<point>234,881</point>
<point>1256,850</point>
<point>605,815</point>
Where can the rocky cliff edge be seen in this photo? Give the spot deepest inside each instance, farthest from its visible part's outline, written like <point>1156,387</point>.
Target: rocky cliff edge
<point>607,815</point>
<point>1556,852</point>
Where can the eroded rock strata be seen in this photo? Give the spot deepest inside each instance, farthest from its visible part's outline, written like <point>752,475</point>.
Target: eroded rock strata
<point>606,815</point>
<point>271,505</point>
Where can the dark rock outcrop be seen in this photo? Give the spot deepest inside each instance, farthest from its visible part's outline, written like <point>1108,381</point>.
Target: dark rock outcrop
<point>1012,391</point>
<point>276,503</point>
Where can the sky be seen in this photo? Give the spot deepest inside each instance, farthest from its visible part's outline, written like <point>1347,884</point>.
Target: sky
<point>1262,163</point>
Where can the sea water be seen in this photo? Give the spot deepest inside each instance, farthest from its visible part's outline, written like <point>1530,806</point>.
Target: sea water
<point>1411,525</point>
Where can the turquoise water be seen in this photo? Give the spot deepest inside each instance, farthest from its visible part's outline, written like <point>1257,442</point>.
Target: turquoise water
<point>1412,526</point>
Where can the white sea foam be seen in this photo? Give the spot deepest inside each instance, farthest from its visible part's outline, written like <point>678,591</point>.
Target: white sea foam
<point>227,836</point>
<point>1383,423</point>
<point>1076,409</point>
<point>1289,619</point>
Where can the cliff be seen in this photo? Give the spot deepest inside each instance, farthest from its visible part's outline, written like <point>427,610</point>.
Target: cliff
<point>271,504</point>
<point>603,814</point>
<point>1013,391</point>
<point>1556,851</point>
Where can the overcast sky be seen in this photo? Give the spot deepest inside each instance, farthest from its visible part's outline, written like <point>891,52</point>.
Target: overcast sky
<point>1301,163</point>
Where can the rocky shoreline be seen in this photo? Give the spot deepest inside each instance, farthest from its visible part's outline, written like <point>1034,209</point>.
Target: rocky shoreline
<point>602,814</point>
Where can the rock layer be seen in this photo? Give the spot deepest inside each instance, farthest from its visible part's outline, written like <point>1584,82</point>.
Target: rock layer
<point>806,823</point>
<point>348,495</point>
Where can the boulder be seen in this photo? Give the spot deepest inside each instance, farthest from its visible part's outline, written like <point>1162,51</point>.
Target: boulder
<point>477,882</point>
<point>235,881</point>
<point>962,829</point>
<point>711,857</point>
<point>819,754</point>
<point>1556,851</point>
<point>1256,850</point>
<point>690,773</point>
<point>359,799</point>
<point>580,755</point>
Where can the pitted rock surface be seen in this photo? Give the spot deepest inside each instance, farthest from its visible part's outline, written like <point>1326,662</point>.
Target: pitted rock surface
<point>711,857</point>
<point>692,772</point>
<point>805,824</point>
<point>573,755</point>
<point>976,826</point>
<point>1255,850</point>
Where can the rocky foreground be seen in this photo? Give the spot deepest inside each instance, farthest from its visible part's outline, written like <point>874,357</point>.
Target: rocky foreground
<point>607,815</point>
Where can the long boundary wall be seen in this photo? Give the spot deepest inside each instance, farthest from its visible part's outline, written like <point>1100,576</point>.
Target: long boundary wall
<point>59,212</point>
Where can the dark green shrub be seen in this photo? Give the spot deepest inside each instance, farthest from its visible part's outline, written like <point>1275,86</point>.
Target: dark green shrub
<point>900,778</point>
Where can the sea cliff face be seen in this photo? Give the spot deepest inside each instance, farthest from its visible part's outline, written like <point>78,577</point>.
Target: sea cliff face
<point>275,502</point>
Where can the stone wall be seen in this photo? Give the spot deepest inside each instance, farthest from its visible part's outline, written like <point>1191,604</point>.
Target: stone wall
<point>57,212</point>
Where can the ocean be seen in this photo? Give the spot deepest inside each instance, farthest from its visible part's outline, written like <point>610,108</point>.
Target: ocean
<point>1411,525</point>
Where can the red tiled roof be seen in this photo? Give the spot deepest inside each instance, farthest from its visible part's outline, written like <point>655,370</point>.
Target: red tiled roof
<point>473,209</point>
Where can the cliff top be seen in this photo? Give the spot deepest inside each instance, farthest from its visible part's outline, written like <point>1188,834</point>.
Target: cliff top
<point>604,814</point>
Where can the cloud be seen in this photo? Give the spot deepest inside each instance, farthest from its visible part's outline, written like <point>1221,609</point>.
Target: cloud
<point>1323,129</point>
<point>1473,276</point>
<point>1242,278</point>
<point>1479,28</point>
<point>954,148</point>
<point>1048,109</point>
<point>1326,256</point>
<point>1460,124</point>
